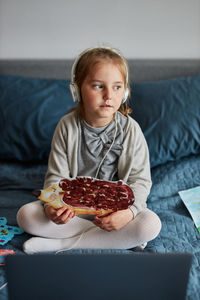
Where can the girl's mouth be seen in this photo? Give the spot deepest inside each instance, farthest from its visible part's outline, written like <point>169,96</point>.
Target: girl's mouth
<point>106,105</point>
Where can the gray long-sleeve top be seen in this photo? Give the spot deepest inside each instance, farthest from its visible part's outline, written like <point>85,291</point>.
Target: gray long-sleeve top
<point>132,163</point>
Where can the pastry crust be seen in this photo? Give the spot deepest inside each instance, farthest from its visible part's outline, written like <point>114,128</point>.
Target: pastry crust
<point>86,195</point>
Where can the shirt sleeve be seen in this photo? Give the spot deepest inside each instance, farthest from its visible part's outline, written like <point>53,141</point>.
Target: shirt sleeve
<point>58,166</point>
<point>134,166</point>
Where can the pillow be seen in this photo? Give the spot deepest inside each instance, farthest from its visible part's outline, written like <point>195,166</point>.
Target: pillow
<point>30,109</point>
<point>168,112</point>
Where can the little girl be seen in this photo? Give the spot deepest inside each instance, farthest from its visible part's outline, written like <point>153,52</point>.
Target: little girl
<point>100,140</point>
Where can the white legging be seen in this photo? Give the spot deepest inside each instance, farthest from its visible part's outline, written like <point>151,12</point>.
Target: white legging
<point>82,233</point>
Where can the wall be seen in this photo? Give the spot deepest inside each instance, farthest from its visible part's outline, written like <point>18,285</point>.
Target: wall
<point>61,29</point>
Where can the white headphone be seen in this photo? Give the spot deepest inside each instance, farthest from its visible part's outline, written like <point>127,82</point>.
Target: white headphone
<point>73,86</point>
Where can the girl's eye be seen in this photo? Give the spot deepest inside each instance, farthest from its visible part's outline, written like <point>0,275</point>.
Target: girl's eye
<point>98,86</point>
<point>117,87</point>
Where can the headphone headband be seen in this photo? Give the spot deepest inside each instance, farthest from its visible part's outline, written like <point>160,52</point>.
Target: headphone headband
<point>73,86</point>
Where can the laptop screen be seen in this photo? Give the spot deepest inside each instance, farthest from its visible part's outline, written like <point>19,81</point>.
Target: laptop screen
<point>98,276</point>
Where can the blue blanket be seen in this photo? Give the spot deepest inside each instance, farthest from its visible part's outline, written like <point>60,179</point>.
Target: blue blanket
<point>178,233</point>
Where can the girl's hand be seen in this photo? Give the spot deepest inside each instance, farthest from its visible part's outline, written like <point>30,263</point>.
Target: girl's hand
<point>59,215</point>
<point>114,221</point>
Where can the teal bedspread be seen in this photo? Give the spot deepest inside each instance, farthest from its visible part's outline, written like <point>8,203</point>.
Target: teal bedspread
<point>178,233</point>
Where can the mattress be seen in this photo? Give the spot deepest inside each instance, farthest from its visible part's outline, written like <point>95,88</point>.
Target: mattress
<point>178,233</point>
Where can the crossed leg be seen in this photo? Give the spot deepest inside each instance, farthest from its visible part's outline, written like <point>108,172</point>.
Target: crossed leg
<point>82,233</point>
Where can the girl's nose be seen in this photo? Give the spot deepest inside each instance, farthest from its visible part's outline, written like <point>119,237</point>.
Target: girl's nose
<point>107,94</point>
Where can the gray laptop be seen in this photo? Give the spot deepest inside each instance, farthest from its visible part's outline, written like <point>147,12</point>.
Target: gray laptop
<point>138,276</point>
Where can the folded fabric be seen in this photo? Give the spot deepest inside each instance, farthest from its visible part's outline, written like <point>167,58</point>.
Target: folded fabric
<point>30,109</point>
<point>168,112</point>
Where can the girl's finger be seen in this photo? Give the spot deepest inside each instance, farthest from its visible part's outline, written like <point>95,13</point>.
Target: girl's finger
<point>66,216</point>
<point>60,211</point>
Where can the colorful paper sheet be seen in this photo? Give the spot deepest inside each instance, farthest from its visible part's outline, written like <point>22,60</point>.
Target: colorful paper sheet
<point>191,199</point>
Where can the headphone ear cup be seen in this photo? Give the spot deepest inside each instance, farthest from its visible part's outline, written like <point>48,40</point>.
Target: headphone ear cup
<point>75,92</point>
<point>125,97</point>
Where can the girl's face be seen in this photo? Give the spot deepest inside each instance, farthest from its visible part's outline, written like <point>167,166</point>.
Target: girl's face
<point>102,92</point>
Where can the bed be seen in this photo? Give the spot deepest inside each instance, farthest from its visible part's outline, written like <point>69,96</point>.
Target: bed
<point>165,99</point>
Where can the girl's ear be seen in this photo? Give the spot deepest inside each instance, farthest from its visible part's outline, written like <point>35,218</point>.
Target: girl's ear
<point>126,94</point>
<point>75,92</point>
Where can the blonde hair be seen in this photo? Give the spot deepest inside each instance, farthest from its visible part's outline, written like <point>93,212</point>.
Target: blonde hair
<point>97,55</point>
